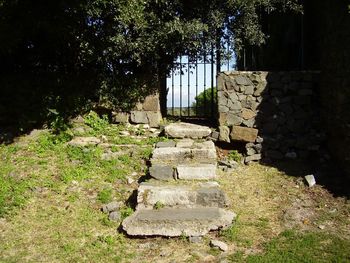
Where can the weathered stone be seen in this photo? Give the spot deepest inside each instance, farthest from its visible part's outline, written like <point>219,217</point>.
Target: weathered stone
<point>234,105</point>
<point>120,117</point>
<point>154,118</point>
<point>196,172</point>
<point>138,117</point>
<point>114,216</point>
<point>187,130</point>
<point>249,90</point>
<point>233,119</point>
<point>219,244</point>
<point>185,143</point>
<point>177,221</point>
<point>149,194</point>
<point>222,118</point>
<point>243,134</point>
<point>224,134</point>
<point>223,108</point>
<point>171,154</point>
<point>162,172</point>
<point>243,80</point>
<point>84,141</point>
<point>310,179</point>
<point>254,157</point>
<point>248,114</point>
<point>204,153</point>
<point>151,103</point>
<point>214,135</point>
<point>248,123</point>
<point>208,145</point>
<point>165,144</point>
<point>110,207</point>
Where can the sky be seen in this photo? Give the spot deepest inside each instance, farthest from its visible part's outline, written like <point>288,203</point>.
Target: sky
<point>202,79</point>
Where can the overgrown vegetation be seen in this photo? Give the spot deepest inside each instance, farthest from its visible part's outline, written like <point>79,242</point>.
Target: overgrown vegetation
<point>206,103</point>
<point>51,196</point>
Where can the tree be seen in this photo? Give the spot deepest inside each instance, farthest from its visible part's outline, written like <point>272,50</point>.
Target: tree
<point>113,49</point>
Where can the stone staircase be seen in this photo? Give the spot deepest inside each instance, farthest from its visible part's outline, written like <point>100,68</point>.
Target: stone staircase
<point>182,198</point>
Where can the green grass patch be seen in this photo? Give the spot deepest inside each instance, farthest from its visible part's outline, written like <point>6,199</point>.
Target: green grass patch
<point>291,246</point>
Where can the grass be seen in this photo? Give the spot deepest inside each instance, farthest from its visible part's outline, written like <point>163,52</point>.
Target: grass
<point>51,195</point>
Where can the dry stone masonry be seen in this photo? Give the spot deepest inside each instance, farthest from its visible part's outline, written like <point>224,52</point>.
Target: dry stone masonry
<point>181,199</point>
<point>277,114</point>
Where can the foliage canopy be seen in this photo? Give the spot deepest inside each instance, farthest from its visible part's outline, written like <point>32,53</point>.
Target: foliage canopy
<point>113,48</point>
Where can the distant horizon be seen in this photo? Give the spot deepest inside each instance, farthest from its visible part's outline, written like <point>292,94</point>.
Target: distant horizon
<point>192,77</point>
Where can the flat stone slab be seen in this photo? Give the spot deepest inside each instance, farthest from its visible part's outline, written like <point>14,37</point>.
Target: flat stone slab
<point>196,172</point>
<point>174,155</point>
<point>175,195</point>
<point>187,130</point>
<point>84,141</point>
<point>172,222</point>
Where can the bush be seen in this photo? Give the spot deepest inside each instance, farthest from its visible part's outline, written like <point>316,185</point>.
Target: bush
<point>203,105</point>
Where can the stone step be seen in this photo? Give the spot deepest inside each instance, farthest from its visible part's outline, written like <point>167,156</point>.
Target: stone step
<point>186,130</point>
<point>185,152</point>
<point>194,171</point>
<point>151,194</point>
<point>172,222</point>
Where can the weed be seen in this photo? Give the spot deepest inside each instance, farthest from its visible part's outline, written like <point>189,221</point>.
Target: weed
<point>105,195</point>
<point>95,122</point>
<point>125,212</point>
<point>158,205</point>
<point>234,155</point>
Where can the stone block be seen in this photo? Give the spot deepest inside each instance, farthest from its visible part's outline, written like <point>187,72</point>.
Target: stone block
<point>177,221</point>
<point>187,130</point>
<point>151,103</point>
<point>254,157</point>
<point>243,80</point>
<point>224,134</point>
<point>165,144</point>
<point>233,119</point>
<point>138,117</point>
<point>185,143</point>
<point>162,172</point>
<point>222,118</point>
<point>249,90</point>
<point>120,117</point>
<point>244,134</point>
<point>196,172</point>
<point>170,154</point>
<point>154,118</point>
<point>179,195</point>
<point>248,114</point>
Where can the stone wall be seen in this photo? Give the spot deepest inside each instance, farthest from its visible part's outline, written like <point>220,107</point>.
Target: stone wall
<point>145,112</point>
<point>277,114</point>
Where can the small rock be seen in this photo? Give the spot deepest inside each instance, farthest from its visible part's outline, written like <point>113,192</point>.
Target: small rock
<point>321,227</point>
<point>124,133</point>
<point>114,216</point>
<point>214,135</point>
<point>153,130</point>
<point>134,174</point>
<point>130,180</point>
<point>310,179</point>
<point>219,244</point>
<point>195,239</point>
<point>104,138</point>
<point>146,126</point>
<point>111,207</point>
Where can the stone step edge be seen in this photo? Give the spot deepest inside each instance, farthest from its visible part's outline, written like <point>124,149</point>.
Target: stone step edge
<point>168,172</point>
<point>152,195</point>
<point>173,222</point>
